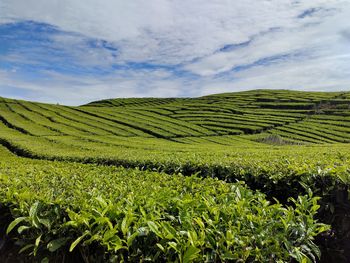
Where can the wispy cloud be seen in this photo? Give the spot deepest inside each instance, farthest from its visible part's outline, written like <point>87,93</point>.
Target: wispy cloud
<point>73,51</point>
<point>54,87</point>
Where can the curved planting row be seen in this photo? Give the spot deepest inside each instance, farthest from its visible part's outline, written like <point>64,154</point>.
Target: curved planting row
<point>99,214</point>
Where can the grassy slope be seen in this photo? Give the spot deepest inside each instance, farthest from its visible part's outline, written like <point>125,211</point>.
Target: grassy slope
<point>172,133</point>
<point>272,140</point>
<point>205,135</point>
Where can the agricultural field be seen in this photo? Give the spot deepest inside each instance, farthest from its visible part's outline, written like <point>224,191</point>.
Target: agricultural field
<point>255,176</point>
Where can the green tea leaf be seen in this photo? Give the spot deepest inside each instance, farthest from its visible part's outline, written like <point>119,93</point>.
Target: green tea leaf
<point>14,223</point>
<point>190,254</point>
<point>77,241</point>
<point>55,244</point>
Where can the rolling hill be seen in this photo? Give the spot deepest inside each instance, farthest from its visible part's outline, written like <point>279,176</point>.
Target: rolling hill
<point>296,117</point>
<point>165,178</point>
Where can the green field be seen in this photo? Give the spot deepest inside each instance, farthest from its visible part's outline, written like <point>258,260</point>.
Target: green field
<point>255,176</point>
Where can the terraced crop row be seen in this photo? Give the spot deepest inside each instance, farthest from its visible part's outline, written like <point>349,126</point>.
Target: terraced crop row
<point>56,204</point>
<point>129,215</point>
<point>181,118</point>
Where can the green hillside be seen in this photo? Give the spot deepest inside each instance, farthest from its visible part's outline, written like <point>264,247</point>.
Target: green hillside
<point>284,113</point>
<point>146,158</point>
<point>297,117</point>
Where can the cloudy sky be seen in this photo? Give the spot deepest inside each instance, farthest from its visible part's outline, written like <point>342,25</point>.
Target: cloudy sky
<point>73,51</point>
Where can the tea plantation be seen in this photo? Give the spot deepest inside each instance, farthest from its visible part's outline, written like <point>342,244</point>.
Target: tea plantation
<point>255,176</point>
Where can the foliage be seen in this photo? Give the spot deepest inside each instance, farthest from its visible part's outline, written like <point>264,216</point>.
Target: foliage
<point>284,144</point>
<point>158,218</point>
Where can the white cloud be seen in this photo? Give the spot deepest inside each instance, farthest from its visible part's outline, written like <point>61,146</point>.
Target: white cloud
<point>321,39</point>
<point>313,50</point>
<point>75,90</point>
<point>319,74</point>
<point>165,31</point>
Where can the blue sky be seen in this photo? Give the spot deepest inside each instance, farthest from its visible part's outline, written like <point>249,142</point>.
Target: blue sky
<point>73,52</point>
